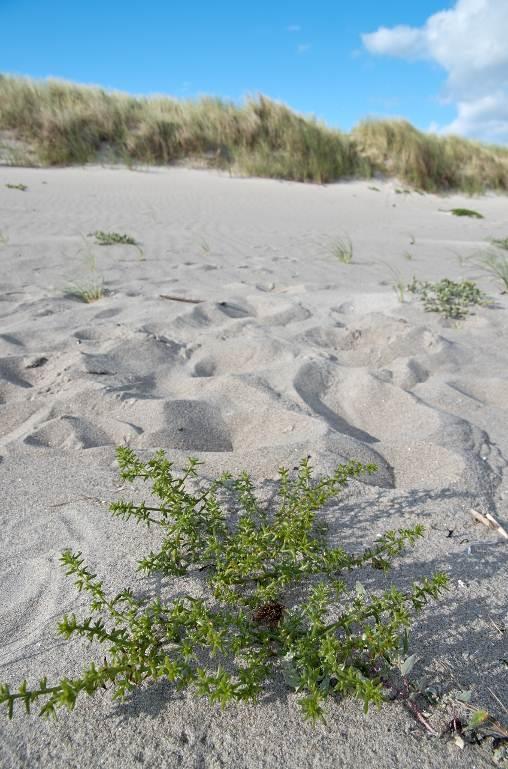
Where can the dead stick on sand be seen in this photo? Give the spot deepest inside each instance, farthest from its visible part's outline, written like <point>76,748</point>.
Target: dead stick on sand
<point>180,299</point>
<point>490,521</point>
<point>78,499</point>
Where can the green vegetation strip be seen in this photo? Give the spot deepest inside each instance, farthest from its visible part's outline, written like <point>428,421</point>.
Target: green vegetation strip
<point>65,124</point>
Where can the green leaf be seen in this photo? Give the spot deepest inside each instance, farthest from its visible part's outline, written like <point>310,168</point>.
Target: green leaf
<point>407,665</point>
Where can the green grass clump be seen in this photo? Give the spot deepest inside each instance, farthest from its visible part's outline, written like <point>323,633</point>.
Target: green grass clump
<point>342,249</point>
<point>21,187</point>
<point>496,265</point>
<point>500,243</point>
<point>449,298</point>
<point>88,293</point>
<point>274,604</point>
<point>113,238</point>
<point>65,123</point>
<point>466,212</point>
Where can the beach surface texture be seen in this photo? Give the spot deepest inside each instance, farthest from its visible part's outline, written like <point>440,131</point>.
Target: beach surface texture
<point>285,351</point>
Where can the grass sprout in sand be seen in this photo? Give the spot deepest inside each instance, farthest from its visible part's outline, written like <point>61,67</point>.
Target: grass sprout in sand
<point>398,283</point>
<point>449,298</point>
<point>342,249</point>
<point>91,289</point>
<point>275,605</point>
<point>496,265</point>
<point>88,293</point>
<point>21,187</point>
<point>500,243</point>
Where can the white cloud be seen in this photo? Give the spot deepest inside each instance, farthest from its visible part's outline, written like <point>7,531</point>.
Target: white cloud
<point>303,48</point>
<point>470,42</point>
<point>402,41</point>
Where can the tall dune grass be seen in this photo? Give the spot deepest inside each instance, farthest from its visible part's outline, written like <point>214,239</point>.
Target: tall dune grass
<point>66,123</point>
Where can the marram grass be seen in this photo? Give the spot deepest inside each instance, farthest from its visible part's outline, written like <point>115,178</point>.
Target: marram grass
<point>279,602</point>
<point>66,123</point>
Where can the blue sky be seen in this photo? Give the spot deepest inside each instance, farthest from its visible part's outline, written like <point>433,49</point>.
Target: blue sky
<point>310,55</point>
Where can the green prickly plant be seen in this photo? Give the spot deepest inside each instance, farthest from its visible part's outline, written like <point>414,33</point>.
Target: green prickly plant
<point>277,601</point>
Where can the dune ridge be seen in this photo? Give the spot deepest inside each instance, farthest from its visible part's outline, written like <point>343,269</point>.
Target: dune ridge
<point>53,122</point>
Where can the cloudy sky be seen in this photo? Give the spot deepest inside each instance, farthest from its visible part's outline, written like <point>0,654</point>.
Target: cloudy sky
<point>469,43</point>
<point>442,64</point>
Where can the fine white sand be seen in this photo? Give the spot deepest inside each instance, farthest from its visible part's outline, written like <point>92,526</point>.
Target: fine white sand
<point>291,353</point>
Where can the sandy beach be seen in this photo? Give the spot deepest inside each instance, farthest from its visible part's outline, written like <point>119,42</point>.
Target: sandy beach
<point>284,352</point>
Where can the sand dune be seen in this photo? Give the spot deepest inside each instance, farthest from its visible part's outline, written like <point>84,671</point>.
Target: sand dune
<point>288,353</point>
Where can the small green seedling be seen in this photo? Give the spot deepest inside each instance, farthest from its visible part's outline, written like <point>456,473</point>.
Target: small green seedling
<point>447,297</point>
<point>342,249</point>
<point>88,293</point>
<point>21,187</point>
<point>466,212</point>
<point>398,284</point>
<point>92,289</point>
<point>273,603</point>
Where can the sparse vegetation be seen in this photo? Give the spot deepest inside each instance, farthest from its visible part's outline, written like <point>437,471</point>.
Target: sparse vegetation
<point>500,243</point>
<point>466,212</point>
<point>342,249</point>
<point>449,298</point>
<point>113,238</point>
<point>116,239</point>
<point>494,264</point>
<point>274,604</point>
<point>65,124</point>
<point>21,187</point>
<point>397,283</point>
<point>91,289</point>
<point>89,292</point>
